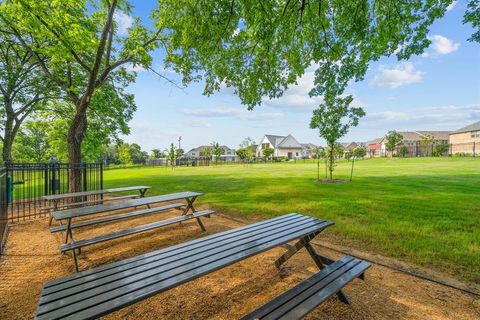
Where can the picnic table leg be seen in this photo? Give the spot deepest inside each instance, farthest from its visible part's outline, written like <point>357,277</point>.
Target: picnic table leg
<point>75,262</point>
<point>189,207</point>
<point>55,207</point>
<point>322,261</point>
<point>69,230</point>
<point>142,193</point>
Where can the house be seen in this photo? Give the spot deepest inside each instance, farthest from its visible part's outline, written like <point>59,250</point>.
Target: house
<point>283,146</point>
<point>413,140</point>
<point>309,150</point>
<point>195,153</point>
<point>465,140</point>
<point>374,148</point>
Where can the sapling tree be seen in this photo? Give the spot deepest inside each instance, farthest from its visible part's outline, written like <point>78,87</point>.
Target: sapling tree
<point>268,152</point>
<point>357,153</point>
<point>217,151</point>
<point>393,140</point>
<point>404,151</point>
<point>333,118</point>
<point>171,155</point>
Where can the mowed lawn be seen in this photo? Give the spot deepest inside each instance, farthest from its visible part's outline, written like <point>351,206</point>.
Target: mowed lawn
<point>423,210</point>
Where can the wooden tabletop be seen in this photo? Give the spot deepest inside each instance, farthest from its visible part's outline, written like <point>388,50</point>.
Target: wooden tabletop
<point>91,210</point>
<point>93,192</point>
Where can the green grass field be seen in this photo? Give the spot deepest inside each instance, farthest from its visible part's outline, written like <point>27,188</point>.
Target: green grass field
<point>425,210</point>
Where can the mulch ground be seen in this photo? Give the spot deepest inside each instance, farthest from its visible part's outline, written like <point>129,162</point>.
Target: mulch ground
<point>32,258</point>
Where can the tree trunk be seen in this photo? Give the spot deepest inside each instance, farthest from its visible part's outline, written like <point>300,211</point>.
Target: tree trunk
<point>331,159</point>
<point>75,136</point>
<point>8,141</point>
<point>9,132</point>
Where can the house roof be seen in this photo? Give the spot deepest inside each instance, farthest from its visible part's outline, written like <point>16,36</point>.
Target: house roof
<point>349,145</point>
<point>201,148</point>
<point>418,135</point>
<point>274,140</point>
<point>289,142</point>
<point>374,141</point>
<point>471,127</point>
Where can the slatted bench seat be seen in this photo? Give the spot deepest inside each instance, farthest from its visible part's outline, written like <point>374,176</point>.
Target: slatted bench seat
<point>72,246</point>
<point>102,290</point>
<point>309,294</point>
<point>115,217</point>
<point>83,203</point>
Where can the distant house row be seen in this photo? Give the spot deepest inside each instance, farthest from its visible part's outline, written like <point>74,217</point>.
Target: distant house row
<point>465,140</point>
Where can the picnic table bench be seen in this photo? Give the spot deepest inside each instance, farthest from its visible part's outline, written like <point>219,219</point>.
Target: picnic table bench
<point>188,212</point>
<point>309,294</point>
<point>102,290</point>
<point>56,199</point>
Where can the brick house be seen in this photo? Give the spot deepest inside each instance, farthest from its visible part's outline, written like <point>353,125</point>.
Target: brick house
<point>465,140</point>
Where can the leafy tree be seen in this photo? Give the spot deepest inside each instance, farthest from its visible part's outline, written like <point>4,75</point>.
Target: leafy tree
<point>23,89</point>
<point>268,152</point>
<point>393,140</point>
<point>124,153</point>
<point>171,154</point>
<point>206,152</point>
<point>85,52</point>
<point>217,150</point>
<point>427,142</point>
<point>179,152</point>
<point>472,15</point>
<point>359,152</point>
<point>247,143</point>
<point>245,154</point>
<point>136,153</point>
<point>157,153</point>
<point>440,149</point>
<point>333,119</point>
<point>32,144</point>
<point>404,151</point>
<point>262,47</point>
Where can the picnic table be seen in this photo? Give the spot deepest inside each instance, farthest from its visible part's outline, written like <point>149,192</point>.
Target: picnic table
<point>188,212</point>
<point>71,214</point>
<point>105,289</point>
<point>55,199</point>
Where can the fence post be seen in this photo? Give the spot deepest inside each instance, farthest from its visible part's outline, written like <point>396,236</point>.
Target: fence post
<point>474,149</point>
<point>85,185</point>
<point>101,179</point>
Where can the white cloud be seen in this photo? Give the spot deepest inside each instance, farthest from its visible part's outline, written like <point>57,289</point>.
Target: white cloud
<point>397,76</point>
<point>234,113</point>
<point>443,45</point>
<point>124,21</point>
<point>452,5</point>
<point>198,124</point>
<point>425,118</point>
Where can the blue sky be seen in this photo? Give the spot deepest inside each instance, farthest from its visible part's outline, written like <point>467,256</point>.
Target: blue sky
<point>439,90</point>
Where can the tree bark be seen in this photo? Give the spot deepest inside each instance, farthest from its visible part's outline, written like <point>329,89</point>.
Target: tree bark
<point>76,134</point>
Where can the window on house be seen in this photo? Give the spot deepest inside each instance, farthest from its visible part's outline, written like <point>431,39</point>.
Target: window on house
<point>475,134</point>
<point>297,154</point>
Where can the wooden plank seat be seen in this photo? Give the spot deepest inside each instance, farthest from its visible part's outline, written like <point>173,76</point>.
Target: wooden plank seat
<point>97,201</point>
<point>115,217</point>
<point>309,294</point>
<point>118,234</point>
<point>104,289</point>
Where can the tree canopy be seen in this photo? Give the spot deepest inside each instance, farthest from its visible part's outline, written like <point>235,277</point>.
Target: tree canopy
<point>261,47</point>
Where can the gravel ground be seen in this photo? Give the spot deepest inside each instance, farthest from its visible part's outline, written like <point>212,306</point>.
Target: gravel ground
<point>32,258</point>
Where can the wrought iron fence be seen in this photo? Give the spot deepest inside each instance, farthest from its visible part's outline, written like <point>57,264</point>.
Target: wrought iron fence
<point>3,207</point>
<point>27,183</point>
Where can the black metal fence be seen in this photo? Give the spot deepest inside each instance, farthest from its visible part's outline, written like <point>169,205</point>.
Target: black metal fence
<point>3,207</point>
<point>27,183</point>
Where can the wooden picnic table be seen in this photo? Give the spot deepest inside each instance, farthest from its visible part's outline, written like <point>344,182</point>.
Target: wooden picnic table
<point>73,213</point>
<point>99,291</point>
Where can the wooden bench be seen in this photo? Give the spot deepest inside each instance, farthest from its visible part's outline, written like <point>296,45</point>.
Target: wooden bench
<point>72,246</point>
<point>99,291</point>
<point>309,294</point>
<point>115,217</point>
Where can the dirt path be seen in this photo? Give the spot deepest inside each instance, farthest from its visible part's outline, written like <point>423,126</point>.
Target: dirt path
<point>32,258</point>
